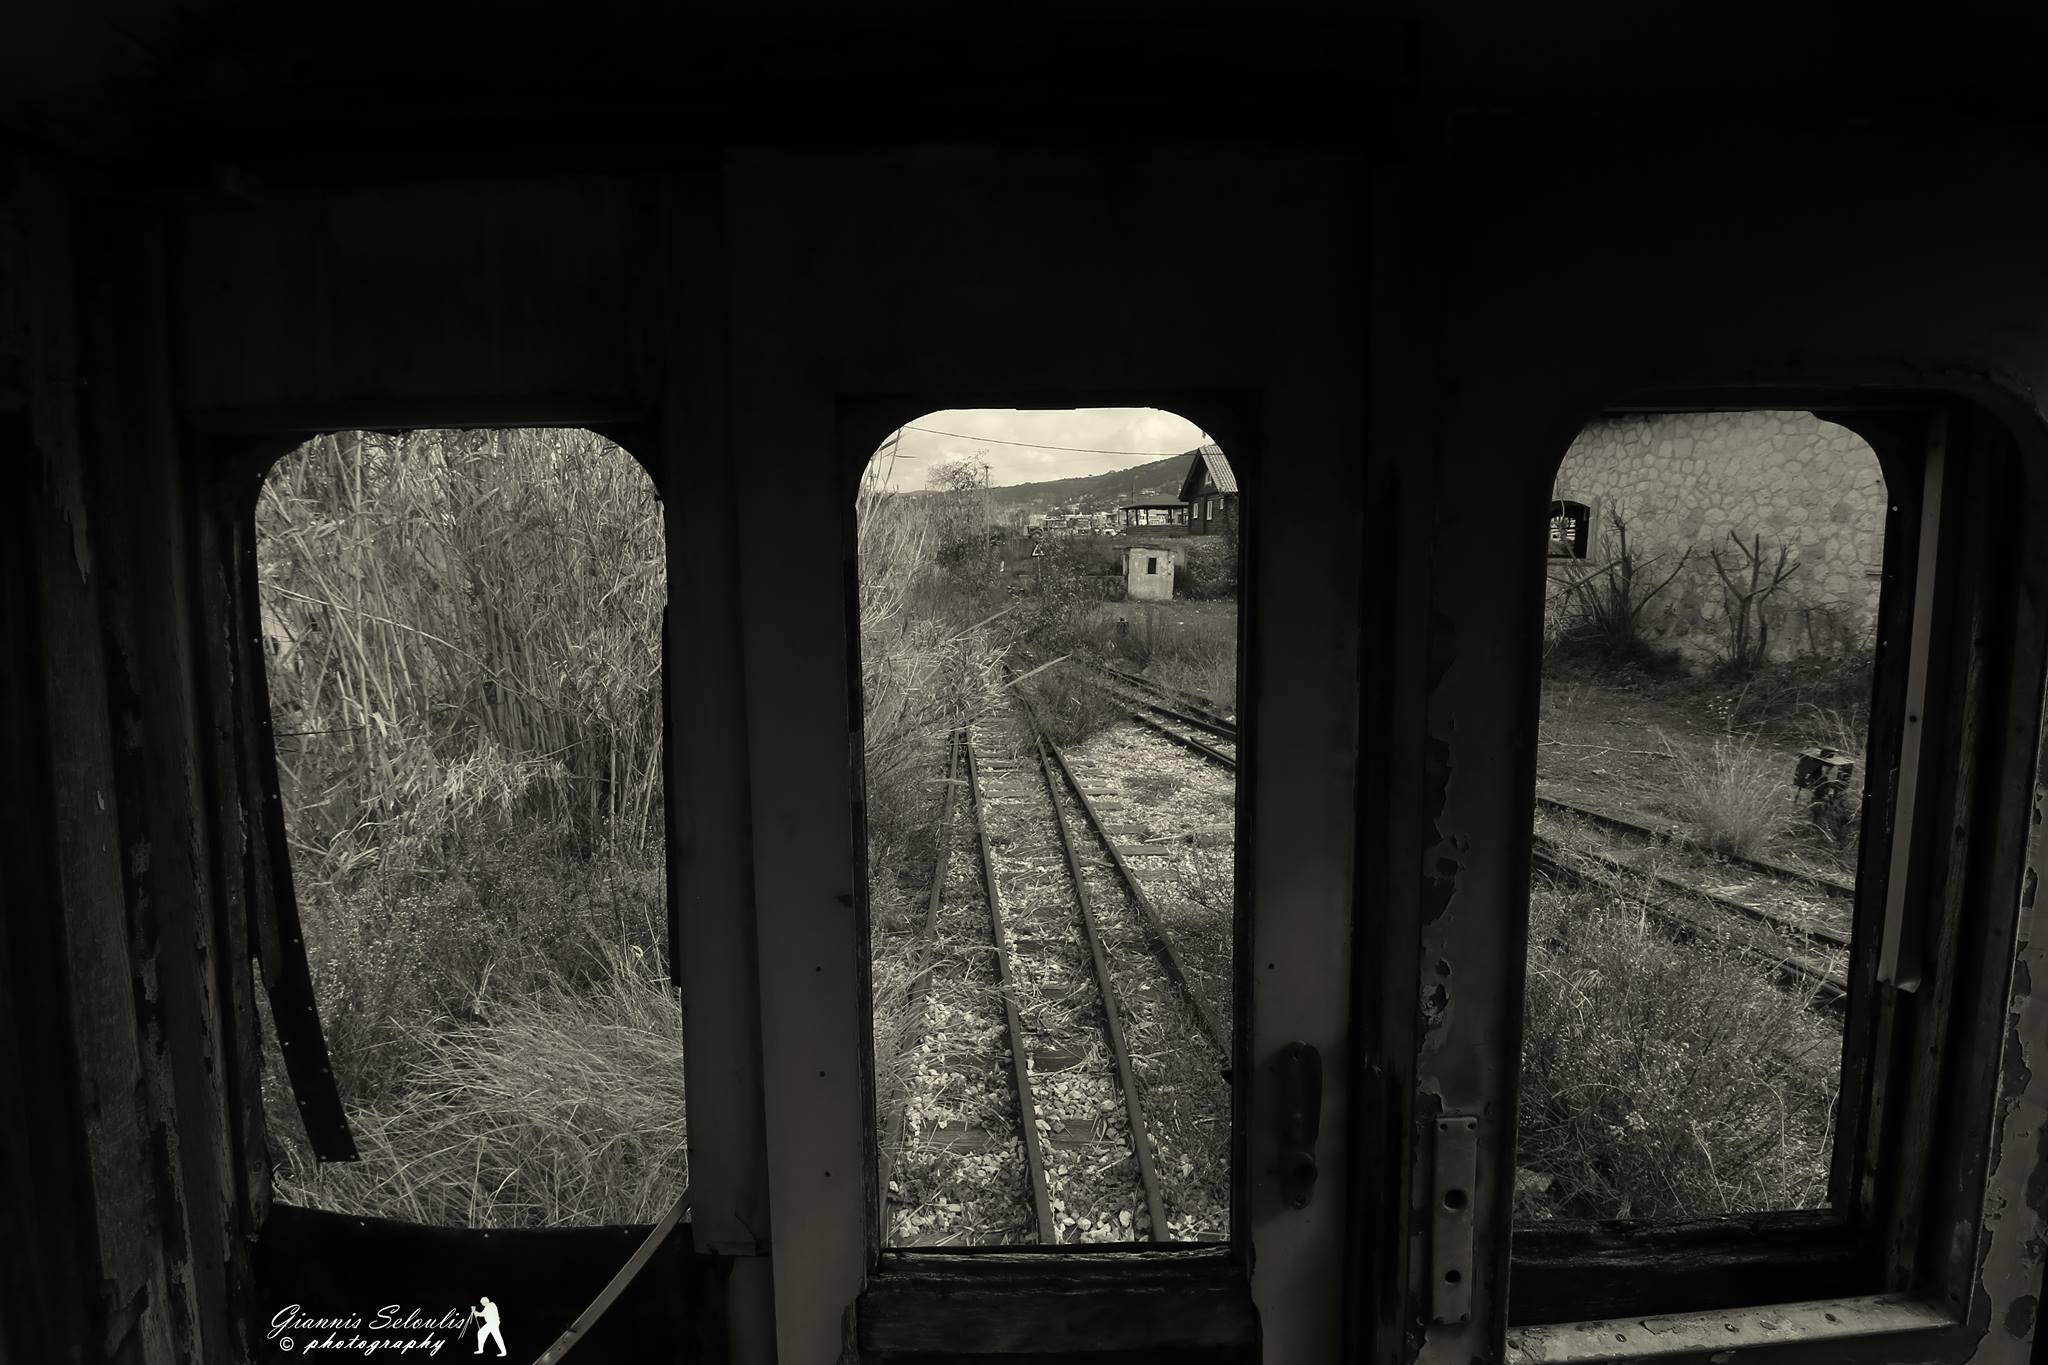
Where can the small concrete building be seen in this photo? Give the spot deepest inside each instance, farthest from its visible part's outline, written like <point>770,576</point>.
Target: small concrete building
<point>1148,574</point>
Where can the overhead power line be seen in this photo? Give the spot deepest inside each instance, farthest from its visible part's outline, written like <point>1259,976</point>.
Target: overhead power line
<point>1034,445</point>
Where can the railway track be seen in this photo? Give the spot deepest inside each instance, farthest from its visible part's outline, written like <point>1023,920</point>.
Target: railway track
<point>1196,727</point>
<point>1074,961</point>
<point>1735,897</point>
<point>1754,935</point>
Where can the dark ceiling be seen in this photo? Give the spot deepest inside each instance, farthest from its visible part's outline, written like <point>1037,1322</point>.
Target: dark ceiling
<point>596,82</point>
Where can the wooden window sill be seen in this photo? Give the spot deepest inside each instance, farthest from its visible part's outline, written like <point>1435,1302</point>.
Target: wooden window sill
<point>1681,1334</point>
<point>926,1305</point>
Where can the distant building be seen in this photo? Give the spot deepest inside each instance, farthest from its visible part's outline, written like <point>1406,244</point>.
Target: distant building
<point>1157,513</point>
<point>1210,492</point>
<point>1148,574</point>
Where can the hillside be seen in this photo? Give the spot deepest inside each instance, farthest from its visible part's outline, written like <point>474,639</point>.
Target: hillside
<point>1097,492</point>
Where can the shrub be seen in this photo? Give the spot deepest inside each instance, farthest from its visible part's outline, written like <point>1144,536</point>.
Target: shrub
<point>1210,570</point>
<point>931,658</point>
<point>1746,592</point>
<point>1735,795</point>
<point>1071,705</point>
<point>457,619</point>
<point>1789,695</point>
<point>1599,611</point>
<point>1662,1079</point>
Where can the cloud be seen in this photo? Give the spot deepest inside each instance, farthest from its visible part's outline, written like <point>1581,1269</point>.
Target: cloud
<point>1026,446</point>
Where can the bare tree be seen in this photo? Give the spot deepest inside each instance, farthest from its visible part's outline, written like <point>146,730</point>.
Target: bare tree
<point>1606,605</point>
<point>1748,622</point>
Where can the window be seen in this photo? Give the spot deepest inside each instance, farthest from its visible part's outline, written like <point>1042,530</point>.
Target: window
<point>1746,724</point>
<point>462,638</point>
<point>1049,790</point>
<point>1570,523</point>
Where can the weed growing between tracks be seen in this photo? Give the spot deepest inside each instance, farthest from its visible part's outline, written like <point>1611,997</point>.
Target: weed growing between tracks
<point>957,1176</point>
<point>1664,1079</point>
<point>1091,1172</point>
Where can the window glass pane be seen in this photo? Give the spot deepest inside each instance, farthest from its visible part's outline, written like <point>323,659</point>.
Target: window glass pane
<point>462,632</point>
<point>1049,674</point>
<point>1709,635</point>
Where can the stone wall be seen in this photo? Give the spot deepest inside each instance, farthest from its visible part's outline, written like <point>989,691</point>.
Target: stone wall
<point>1690,479</point>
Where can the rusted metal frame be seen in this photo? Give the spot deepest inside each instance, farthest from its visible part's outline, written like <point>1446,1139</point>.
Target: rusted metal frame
<point>1208,751</point>
<point>1975,1261</point>
<point>273,902</point>
<point>1212,1027</point>
<point>920,979</point>
<point>230,836</point>
<point>1830,990</point>
<point>1898,960</point>
<point>1827,886</point>
<point>1927,925</point>
<point>1877,1097</point>
<point>1112,1007</point>
<point>1870,1026</point>
<point>1020,1071</point>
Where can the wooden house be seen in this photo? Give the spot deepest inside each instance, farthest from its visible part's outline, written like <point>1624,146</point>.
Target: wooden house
<point>1210,492</point>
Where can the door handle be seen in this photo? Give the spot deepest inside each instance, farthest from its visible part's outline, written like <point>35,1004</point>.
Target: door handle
<point>1301,1115</point>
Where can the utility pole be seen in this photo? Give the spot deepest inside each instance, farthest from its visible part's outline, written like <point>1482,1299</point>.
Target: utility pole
<point>988,510</point>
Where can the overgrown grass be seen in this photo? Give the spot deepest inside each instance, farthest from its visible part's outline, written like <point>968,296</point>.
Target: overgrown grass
<point>561,1106</point>
<point>1663,1079</point>
<point>1071,704</point>
<point>463,645</point>
<point>1735,794</point>
<point>1188,645</point>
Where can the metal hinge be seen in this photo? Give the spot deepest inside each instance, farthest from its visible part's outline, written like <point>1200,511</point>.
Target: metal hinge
<point>1450,1242</point>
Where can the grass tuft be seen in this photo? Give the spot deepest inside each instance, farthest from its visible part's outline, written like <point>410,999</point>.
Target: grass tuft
<point>563,1107</point>
<point>1734,795</point>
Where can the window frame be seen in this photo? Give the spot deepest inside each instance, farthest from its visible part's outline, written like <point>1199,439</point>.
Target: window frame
<point>1939,601</point>
<point>237,463</point>
<point>1579,549</point>
<point>1176,1301</point>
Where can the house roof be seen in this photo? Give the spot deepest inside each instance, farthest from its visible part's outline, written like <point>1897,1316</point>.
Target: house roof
<point>1146,506</point>
<point>1210,456</point>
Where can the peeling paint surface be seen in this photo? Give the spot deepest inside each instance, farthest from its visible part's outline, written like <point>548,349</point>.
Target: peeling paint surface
<point>2016,1204</point>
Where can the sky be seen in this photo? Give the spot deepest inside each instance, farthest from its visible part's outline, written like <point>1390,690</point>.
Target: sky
<point>1135,435</point>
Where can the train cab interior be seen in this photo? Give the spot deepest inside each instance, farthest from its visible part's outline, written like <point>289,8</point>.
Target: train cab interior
<point>1498,820</point>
